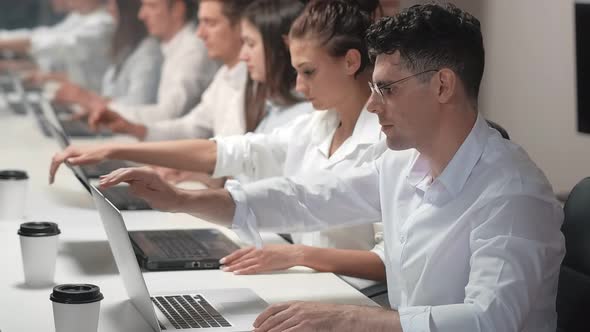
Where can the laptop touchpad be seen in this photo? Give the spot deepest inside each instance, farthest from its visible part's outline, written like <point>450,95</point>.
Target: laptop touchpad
<point>241,308</point>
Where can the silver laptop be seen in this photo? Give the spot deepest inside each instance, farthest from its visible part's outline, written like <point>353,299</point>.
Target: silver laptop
<point>207,310</point>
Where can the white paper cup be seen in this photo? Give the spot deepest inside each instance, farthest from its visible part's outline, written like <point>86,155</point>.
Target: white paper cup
<point>76,307</point>
<point>38,242</point>
<point>13,194</point>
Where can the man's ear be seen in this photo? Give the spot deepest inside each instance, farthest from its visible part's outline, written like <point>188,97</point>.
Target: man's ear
<point>446,81</point>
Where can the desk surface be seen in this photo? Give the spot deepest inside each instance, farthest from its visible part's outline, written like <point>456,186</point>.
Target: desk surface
<point>85,257</point>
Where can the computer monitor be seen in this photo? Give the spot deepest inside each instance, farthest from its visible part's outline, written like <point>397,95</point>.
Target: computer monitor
<point>583,64</point>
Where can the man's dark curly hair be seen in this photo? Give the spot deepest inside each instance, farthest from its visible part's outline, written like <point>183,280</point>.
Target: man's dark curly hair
<point>433,36</point>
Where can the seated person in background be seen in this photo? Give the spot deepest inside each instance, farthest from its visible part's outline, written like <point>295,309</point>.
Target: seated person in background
<point>232,104</point>
<point>333,69</point>
<point>472,227</point>
<point>134,74</point>
<point>76,48</point>
<point>186,71</point>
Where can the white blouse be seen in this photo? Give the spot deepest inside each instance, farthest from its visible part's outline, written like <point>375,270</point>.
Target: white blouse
<point>302,148</point>
<point>138,76</point>
<point>222,111</point>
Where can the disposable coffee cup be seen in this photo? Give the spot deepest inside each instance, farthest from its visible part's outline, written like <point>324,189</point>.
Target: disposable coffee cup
<point>76,307</point>
<point>13,194</point>
<point>38,243</point>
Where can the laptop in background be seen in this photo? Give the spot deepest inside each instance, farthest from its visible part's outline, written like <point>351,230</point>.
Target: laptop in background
<point>89,171</point>
<point>211,310</point>
<point>74,127</point>
<point>119,195</point>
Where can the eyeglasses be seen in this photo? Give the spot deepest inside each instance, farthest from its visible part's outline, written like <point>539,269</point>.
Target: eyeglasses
<point>379,89</point>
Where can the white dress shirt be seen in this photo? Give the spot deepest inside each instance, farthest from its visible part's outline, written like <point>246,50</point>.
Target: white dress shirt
<point>303,148</point>
<point>79,46</point>
<point>135,80</point>
<point>221,111</point>
<point>476,249</point>
<point>186,74</point>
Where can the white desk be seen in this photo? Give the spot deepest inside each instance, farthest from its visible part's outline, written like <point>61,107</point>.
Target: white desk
<point>84,255</point>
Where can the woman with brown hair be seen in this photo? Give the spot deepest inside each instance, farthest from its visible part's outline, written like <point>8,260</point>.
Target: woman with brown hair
<point>330,56</point>
<point>134,73</point>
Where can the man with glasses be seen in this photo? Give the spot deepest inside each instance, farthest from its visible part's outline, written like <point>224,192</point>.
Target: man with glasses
<point>472,228</point>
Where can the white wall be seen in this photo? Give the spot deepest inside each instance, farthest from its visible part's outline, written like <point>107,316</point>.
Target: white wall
<point>529,82</point>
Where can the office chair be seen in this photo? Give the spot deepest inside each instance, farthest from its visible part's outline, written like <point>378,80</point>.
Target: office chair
<point>499,128</point>
<point>573,292</point>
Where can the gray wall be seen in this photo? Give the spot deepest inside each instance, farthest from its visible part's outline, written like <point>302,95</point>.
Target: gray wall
<point>529,82</point>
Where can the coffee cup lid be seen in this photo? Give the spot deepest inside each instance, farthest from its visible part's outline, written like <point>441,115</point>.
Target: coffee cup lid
<point>38,229</point>
<point>13,175</point>
<point>76,294</point>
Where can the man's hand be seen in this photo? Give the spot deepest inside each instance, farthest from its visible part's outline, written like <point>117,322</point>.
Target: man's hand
<point>145,183</point>
<point>68,93</point>
<point>312,316</point>
<point>270,258</point>
<point>115,122</point>
<point>78,156</point>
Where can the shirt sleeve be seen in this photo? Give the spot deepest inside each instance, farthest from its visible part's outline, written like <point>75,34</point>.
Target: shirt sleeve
<point>255,156</point>
<point>195,124</point>
<point>144,77</point>
<point>286,205</point>
<point>515,256</point>
<point>181,87</point>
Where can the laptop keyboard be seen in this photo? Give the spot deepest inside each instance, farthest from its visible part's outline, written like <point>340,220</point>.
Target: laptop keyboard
<point>105,167</point>
<point>186,312</point>
<point>178,244</point>
<point>124,200</point>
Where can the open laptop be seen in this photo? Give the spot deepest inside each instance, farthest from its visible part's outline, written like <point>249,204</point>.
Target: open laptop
<point>74,127</point>
<point>119,195</point>
<point>205,310</point>
<point>90,171</point>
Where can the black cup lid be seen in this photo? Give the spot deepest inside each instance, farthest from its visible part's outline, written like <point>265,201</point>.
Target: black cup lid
<point>38,229</point>
<point>76,294</point>
<point>13,175</point>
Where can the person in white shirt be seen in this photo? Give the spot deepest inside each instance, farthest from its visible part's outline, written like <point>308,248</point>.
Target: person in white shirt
<point>186,72</point>
<point>472,227</point>
<point>232,104</point>
<point>134,74</point>
<point>77,47</point>
<point>334,77</point>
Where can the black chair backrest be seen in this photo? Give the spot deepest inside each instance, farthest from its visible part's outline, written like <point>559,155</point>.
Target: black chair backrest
<point>573,294</point>
<point>499,128</point>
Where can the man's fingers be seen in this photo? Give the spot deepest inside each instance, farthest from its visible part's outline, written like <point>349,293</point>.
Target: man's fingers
<point>269,312</point>
<point>274,318</point>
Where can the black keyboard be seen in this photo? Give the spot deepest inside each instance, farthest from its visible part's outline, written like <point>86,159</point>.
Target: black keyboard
<point>103,168</point>
<point>178,244</point>
<point>18,108</point>
<point>7,87</point>
<point>186,312</point>
<point>124,200</point>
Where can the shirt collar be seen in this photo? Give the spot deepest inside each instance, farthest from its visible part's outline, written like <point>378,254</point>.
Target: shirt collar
<point>236,75</point>
<point>455,175</point>
<point>176,42</point>
<point>366,132</point>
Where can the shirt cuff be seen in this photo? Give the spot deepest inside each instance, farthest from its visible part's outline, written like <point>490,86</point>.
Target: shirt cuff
<point>229,156</point>
<point>415,319</point>
<point>244,222</point>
